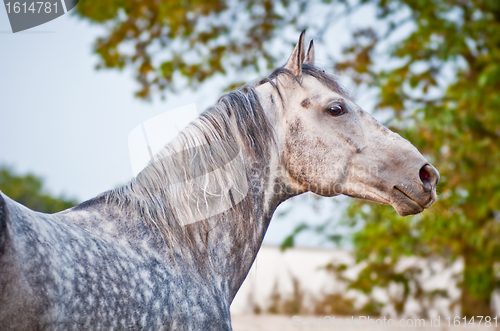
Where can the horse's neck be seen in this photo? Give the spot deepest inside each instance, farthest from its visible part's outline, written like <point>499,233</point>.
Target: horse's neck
<point>227,243</point>
<point>236,244</point>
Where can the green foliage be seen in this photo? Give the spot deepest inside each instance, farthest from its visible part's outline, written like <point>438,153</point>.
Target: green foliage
<point>28,190</point>
<point>166,40</point>
<point>444,90</point>
<point>290,239</point>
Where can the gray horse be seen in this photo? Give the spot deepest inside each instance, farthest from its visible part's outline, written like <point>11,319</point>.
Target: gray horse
<point>170,250</point>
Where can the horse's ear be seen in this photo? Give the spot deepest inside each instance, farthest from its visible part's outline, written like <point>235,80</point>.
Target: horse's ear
<point>295,61</point>
<point>310,54</point>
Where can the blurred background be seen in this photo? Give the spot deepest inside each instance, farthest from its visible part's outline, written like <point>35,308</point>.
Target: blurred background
<point>72,89</point>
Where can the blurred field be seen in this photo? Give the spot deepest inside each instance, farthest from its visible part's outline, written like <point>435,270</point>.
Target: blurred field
<point>285,323</point>
<point>270,285</point>
<point>296,282</point>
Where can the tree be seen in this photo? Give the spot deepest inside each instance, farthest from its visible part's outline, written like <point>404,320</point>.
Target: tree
<point>443,87</point>
<point>165,41</point>
<point>28,190</point>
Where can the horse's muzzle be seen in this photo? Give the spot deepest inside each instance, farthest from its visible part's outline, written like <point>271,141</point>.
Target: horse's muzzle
<point>414,198</point>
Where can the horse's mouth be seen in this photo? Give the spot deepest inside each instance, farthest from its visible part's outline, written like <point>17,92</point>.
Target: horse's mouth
<point>401,201</point>
<point>405,204</point>
<point>408,196</point>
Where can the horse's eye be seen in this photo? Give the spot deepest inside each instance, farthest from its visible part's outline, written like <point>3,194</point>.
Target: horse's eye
<point>336,110</point>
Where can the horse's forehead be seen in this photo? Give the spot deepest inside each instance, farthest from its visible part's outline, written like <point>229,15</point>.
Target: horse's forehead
<point>316,90</point>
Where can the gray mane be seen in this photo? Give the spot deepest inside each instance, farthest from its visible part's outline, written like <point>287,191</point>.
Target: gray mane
<point>169,190</point>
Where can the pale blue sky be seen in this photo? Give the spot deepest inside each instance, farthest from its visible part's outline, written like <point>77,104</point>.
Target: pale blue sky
<point>69,123</point>
<point>61,118</point>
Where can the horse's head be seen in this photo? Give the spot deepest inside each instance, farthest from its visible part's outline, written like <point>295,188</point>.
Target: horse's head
<point>330,146</point>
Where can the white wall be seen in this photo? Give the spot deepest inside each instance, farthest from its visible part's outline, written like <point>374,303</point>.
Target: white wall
<point>275,269</point>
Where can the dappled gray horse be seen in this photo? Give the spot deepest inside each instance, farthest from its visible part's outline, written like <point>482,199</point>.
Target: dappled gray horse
<point>170,250</point>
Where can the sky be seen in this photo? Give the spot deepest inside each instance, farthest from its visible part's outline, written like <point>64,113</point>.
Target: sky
<point>68,123</point>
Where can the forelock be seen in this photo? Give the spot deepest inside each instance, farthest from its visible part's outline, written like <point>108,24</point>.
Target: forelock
<point>307,69</point>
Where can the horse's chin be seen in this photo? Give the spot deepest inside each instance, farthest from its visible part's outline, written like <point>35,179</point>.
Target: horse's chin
<point>404,205</point>
<point>408,209</point>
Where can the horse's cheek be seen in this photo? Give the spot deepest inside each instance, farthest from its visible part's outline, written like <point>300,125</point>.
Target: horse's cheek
<point>316,164</point>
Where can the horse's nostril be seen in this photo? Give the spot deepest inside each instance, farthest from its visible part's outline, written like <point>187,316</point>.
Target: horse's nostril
<point>424,175</point>
<point>429,177</point>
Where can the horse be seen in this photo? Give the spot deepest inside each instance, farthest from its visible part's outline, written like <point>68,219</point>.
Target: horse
<point>169,250</point>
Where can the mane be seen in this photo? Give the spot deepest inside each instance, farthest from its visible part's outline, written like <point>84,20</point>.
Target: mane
<point>307,69</point>
<point>198,180</point>
<point>203,169</point>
